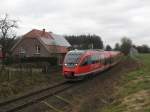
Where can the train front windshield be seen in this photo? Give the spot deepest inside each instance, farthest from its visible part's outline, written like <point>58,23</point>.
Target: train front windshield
<point>72,59</point>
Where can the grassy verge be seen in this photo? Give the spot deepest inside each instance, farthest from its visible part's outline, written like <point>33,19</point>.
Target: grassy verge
<point>133,94</point>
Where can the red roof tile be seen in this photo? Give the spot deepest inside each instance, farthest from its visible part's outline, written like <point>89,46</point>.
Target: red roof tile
<point>38,33</point>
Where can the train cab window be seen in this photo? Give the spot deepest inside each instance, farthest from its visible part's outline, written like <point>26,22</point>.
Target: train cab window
<point>72,59</point>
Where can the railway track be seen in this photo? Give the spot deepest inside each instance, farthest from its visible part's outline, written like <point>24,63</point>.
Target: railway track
<point>34,97</point>
<point>55,103</point>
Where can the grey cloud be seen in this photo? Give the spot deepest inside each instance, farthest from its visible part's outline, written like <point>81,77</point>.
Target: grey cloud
<point>109,19</point>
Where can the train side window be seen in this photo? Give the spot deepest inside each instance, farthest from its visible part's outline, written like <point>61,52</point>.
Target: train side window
<point>110,60</point>
<point>107,61</point>
<point>86,61</point>
<point>102,60</point>
<point>95,59</point>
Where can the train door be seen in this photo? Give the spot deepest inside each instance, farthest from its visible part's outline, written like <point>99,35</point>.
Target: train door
<point>106,60</point>
<point>85,65</point>
<point>102,60</point>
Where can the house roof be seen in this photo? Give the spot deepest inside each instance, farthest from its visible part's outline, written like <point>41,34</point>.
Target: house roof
<point>57,40</point>
<point>48,38</point>
<point>37,33</point>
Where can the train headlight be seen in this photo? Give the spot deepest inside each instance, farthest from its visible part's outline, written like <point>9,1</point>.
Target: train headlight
<point>76,64</point>
<point>65,64</point>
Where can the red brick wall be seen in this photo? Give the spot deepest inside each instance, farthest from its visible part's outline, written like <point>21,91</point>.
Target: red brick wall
<point>58,49</point>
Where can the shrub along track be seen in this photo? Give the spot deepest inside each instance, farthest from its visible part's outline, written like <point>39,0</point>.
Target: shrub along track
<point>34,97</point>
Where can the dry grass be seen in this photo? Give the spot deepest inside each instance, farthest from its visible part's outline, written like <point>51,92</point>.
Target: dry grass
<point>135,102</point>
<point>133,94</point>
<point>19,83</point>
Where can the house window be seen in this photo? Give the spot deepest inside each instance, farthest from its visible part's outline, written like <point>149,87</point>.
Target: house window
<point>37,49</point>
<point>22,50</point>
<point>60,59</point>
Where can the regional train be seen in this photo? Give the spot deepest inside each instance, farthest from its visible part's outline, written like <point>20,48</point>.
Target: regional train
<point>79,64</point>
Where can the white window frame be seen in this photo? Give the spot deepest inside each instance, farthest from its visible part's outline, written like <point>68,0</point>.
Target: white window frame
<point>22,50</point>
<point>38,49</point>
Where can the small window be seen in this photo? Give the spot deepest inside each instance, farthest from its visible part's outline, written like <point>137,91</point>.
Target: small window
<point>22,50</point>
<point>37,49</point>
<point>60,59</point>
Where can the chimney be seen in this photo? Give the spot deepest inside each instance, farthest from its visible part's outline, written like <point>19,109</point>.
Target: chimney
<point>43,31</point>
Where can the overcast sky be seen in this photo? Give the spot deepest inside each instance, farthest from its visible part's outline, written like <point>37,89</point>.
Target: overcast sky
<point>110,19</point>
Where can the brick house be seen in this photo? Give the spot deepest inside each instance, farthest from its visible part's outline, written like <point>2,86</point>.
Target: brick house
<point>37,43</point>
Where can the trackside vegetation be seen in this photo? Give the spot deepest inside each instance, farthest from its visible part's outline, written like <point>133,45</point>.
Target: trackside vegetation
<point>133,94</point>
<point>15,83</point>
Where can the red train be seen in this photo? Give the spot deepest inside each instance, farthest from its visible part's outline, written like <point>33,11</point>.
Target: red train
<point>81,63</point>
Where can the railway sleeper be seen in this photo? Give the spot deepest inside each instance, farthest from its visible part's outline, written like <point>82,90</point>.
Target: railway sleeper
<point>58,104</point>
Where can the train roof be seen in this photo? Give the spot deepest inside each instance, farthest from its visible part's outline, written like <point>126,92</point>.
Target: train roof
<point>76,50</point>
<point>93,51</point>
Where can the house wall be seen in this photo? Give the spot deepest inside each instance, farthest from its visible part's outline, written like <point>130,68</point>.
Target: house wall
<point>57,49</point>
<point>29,45</point>
<point>61,58</point>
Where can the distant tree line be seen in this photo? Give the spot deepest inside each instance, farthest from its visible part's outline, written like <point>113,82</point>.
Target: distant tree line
<point>95,42</point>
<point>124,47</point>
<point>143,49</point>
<point>85,41</point>
<point>126,44</point>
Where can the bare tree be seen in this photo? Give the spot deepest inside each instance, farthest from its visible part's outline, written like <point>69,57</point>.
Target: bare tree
<point>7,34</point>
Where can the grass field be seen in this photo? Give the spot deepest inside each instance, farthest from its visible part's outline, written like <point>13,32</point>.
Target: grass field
<point>133,94</point>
